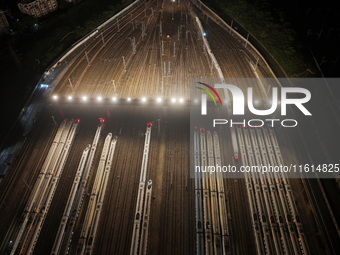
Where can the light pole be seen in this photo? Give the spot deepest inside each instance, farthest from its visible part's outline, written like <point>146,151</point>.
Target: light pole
<point>247,41</point>
<point>71,85</point>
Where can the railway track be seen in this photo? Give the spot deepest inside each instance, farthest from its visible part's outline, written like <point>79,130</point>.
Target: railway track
<point>120,194</point>
<point>91,211</point>
<point>136,63</point>
<point>220,218</point>
<point>15,174</point>
<point>44,188</point>
<point>69,205</point>
<point>141,195</point>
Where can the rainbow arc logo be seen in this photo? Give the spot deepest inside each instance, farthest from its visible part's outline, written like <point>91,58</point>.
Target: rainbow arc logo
<point>204,97</point>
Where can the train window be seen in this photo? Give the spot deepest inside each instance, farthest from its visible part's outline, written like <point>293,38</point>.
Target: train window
<point>289,217</point>
<point>297,219</point>
<point>264,218</point>
<point>255,216</point>
<point>208,225</point>
<point>90,241</point>
<point>137,216</point>
<point>280,219</point>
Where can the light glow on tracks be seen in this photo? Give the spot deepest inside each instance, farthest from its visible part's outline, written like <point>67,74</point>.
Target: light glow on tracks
<point>115,99</point>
